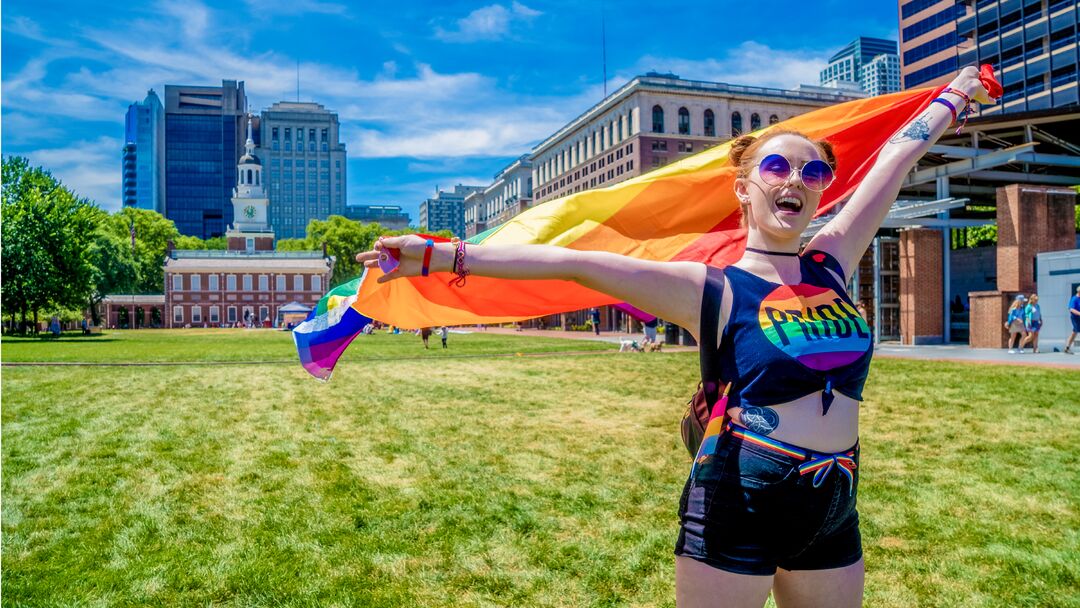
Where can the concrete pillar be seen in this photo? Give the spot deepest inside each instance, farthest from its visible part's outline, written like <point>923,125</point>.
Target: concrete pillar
<point>1031,220</point>
<point>922,313</point>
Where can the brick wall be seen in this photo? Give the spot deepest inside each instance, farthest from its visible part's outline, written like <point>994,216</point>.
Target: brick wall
<point>988,310</point>
<point>921,308</point>
<point>1030,220</point>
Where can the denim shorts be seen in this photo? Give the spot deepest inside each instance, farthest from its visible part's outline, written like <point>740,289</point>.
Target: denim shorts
<point>756,504</point>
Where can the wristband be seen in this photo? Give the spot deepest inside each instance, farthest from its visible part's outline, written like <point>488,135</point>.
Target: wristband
<point>427,257</point>
<point>947,104</point>
<point>460,269</point>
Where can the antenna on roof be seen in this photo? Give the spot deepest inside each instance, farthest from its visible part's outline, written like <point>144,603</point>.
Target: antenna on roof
<point>603,43</point>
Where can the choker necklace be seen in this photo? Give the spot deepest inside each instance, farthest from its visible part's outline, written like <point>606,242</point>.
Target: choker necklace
<point>772,252</point>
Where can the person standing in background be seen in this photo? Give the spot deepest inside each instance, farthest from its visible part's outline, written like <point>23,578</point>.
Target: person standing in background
<point>650,331</point>
<point>595,318</point>
<point>1014,323</point>
<point>425,333</point>
<point>1032,322</point>
<point>1074,318</point>
<point>444,331</point>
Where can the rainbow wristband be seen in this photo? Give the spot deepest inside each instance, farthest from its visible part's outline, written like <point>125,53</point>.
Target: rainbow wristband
<point>427,257</point>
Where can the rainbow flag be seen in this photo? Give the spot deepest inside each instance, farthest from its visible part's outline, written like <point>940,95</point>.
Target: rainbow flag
<point>329,329</point>
<point>686,211</point>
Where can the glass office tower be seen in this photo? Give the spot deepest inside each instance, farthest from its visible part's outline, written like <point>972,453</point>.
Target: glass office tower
<point>143,161</point>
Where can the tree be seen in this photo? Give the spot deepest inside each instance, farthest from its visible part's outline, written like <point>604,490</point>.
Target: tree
<point>46,231</point>
<point>152,235</point>
<point>115,268</point>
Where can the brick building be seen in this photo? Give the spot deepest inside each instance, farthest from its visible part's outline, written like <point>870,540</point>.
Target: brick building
<point>249,283</point>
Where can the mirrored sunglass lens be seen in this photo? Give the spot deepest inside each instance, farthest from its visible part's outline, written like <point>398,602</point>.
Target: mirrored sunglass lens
<point>774,169</point>
<point>817,175</point>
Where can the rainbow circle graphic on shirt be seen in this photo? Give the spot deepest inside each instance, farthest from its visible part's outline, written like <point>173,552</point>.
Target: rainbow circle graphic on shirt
<point>814,326</point>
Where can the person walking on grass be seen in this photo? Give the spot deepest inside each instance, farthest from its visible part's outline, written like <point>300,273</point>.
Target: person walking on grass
<point>594,317</point>
<point>1014,324</point>
<point>1032,323</point>
<point>425,333</point>
<point>1074,318</point>
<point>443,333</point>
<point>770,503</point>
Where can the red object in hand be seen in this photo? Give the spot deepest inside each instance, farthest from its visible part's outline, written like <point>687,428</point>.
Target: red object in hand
<point>388,259</point>
<point>986,76</point>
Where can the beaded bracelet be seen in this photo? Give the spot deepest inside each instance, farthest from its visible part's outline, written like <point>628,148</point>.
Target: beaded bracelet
<point>965,113</point>
<point>427,257</point>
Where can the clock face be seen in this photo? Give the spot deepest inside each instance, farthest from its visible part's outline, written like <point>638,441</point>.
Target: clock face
<point>249,211</point>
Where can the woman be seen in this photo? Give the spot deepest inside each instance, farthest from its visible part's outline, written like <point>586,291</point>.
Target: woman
<point>1014,324</point>
<point>1032,323</point>
<point>771,505</point>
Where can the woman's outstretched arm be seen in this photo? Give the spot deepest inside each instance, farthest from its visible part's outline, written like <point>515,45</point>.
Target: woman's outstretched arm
<point>848,234</point>
<point>669,290</point>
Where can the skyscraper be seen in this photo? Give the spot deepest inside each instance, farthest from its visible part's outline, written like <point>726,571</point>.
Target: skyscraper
<point>306,160</point>
<point>861,62</point>
<point>204,138</point>
<point>143,162</point>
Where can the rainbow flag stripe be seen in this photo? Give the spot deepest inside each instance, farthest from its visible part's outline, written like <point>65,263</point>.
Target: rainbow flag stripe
<point>765,442</point>
<point>686,211</point>
<point>329,329</point>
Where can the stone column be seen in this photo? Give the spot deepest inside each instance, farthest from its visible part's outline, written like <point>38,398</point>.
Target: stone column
<point>921,309</point>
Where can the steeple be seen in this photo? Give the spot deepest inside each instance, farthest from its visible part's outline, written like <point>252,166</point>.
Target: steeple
<point>249,145</point>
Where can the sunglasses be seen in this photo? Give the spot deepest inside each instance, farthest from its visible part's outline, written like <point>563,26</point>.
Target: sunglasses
<point>775,170</point>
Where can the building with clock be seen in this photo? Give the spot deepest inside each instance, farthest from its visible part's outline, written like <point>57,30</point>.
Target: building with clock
<point>250,283</point>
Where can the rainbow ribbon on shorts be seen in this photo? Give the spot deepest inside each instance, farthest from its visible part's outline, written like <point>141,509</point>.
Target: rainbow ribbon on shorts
<point>822,465</point>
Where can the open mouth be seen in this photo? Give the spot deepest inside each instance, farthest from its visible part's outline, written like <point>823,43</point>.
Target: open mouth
<point>789,204</point>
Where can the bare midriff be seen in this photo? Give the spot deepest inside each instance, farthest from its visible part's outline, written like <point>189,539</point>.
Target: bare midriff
<point>802,424</point>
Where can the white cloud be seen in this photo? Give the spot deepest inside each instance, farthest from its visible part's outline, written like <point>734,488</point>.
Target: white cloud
<point>487,23</point>
<point>750,63</point>
<point>264,8</point>
<point>90,168</point>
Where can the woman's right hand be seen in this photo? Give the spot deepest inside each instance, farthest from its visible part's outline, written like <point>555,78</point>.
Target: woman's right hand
<point>410,256</point>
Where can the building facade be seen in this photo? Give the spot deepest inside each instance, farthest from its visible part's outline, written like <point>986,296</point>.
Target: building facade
<point>928,41</point>
<point>657,119</point>
<point>249,284</point>
<point>508,195</point>
<point>204,129</point>
<point>445,211</point>
<point>1033,47</point>
<point>143,163</point>
<point>391,217</point>
<point>872,63</point>
<point>307,165</point>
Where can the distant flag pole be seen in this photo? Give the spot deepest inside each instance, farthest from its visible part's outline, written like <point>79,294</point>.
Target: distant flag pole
<point>603,43</point>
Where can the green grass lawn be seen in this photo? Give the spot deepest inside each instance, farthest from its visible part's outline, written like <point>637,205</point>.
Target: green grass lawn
<point>486,481</point>
<point>201,345</point>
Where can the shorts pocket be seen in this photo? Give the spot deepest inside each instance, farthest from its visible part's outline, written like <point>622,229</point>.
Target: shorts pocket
<point>758,468</point>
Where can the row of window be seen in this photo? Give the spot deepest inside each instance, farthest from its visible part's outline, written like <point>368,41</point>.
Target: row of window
<point>323,147</point>
<point>929,73</point>
<point>709,122</point>
<point>604,137</point>
<point>324,134</point>
<point>948,41</point>
<point>212,282</point>
<point>951,13</point>
<point>215,314</point>
<point>276,162</point>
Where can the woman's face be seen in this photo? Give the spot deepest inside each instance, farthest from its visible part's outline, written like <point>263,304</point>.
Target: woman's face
<point>783,211</point>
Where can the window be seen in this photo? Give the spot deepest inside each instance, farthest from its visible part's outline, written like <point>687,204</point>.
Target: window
<point>710,123</point>
<point>247,282</point>
<point>264,313</point>
<point>230,282</point>
<point>325,135</point>
<point>755,122</point>
<point>280,282</point>
<point>736,124</point>
<point>288,134</point>
<point>215,314</point>
<point>178,282</point>
<point>773,119</point>
<point>298,282</point>
<point>299,135</point>
<point>684,121</point>
<point>196,282</point>
<point>311,134</point>
<point>178,314</point>
<point>196,314</point>
<point>316,283</point>
<point>249,244</point>
<point>274,133</point>
<point>231,311</point>
<point>657,119</point>
<point>311,145</point>
<point>212,282</point>
<point>264,283</point>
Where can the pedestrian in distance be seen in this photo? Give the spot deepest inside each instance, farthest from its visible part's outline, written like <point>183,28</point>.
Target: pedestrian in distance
<point>1032,323</point>
<point>1014,324</point>
<point>425,333</point>
<point>444,331</point>
<point>770,500</point>
<point>594,317</point>
<point>1074,318</point>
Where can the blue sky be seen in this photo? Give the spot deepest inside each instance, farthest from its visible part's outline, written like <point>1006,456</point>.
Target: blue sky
<point>428,93</point>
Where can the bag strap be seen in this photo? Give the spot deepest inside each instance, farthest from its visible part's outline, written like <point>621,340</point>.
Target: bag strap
<point>710,320</point>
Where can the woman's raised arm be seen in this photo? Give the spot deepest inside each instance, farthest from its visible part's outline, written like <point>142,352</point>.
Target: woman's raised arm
<point>848,234</point>
<point>669,290</point>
